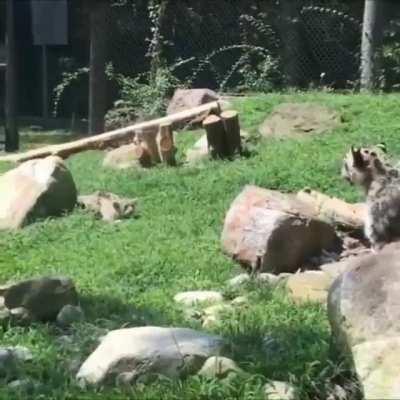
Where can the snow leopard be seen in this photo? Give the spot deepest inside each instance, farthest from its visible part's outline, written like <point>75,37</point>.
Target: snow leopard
<point>370,169</point>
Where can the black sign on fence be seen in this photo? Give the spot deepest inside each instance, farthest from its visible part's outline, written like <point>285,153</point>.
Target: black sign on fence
<point>50,22</point>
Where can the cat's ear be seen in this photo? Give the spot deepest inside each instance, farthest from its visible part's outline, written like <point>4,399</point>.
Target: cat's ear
<point>358,160</point>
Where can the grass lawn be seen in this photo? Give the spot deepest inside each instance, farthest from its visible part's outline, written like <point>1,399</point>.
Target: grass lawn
<point>128,273</point>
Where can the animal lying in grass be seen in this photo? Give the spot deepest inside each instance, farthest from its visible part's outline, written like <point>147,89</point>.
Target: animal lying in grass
<point>369,169</point>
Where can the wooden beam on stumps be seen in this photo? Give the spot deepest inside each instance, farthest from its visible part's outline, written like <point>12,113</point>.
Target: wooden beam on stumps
<point>230,119</point>
<point>165,142</point>
<point>215,136</point>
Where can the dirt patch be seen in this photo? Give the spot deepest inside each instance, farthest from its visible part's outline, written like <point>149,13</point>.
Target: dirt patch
<point>299,119</point>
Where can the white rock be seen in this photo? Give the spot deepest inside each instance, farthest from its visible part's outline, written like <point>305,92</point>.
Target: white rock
<point>198,297</point>
<point>238,280</point>
<point>277,390</point>
<point>219,367</point>
<point>240,301</point>
<point>267,278</point>
<point>147,350</point>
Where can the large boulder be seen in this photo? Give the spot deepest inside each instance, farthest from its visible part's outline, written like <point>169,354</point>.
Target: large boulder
<point>266,230</point>
<point>35,189</point>
<point>364,313</point>
<point>128,354</point>
<point>41,298</point>
<point>184,99</point>
<point>298,119</point>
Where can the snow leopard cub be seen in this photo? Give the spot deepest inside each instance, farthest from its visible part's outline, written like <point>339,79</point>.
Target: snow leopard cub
<point>369,169</point>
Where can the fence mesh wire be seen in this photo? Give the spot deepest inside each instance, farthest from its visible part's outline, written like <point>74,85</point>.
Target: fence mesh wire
<point>227,45</point>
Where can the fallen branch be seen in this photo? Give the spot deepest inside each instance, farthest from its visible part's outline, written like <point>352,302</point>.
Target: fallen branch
<point>107,139</point>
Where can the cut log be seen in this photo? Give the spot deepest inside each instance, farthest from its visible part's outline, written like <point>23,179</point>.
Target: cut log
<point>165,142</point>
<point>269,231</point>
<point>230,118</point>
<point>333,210</point>
<point>110,138</point>
<point>148,140</point>
<point>215,136</point>
<point>128,156</point>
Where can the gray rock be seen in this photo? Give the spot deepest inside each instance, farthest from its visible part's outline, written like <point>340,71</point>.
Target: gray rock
<point>219,367</point>
<point>69,315</point>
<point>8,364</point>
<point>364,313</point>
<point>41,298</point>
<point>26,386</point>
<point>184,99</point>
<point>239,281</point>
<point>148,350</point>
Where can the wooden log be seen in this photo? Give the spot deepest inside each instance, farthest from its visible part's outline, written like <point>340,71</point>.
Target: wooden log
<point>265,230</point>
<point>333,210</point>
<point>215,136</point>
<point>165,142</point>
<point>110,138</point>
<point>230,119</point>
<point>148,140</point>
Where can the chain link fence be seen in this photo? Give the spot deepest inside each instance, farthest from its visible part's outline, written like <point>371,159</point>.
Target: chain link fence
<point>226,45</point>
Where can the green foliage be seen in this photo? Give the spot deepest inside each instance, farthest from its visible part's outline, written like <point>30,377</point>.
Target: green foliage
<point>128,273</point>
<point>142,98</point>
<point>69,78</point>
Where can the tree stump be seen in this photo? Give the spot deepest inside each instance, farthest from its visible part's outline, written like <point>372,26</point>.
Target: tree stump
<point>230,119</point>
<point>215,136</point>
<point>165,143</point>
<point>148,140</point>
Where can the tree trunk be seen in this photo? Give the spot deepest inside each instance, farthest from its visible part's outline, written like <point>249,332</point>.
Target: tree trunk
<point>108,139</point>
<point>98,57</point>
<point>147,138</point>
<point>11,128</point>
<point>215,136</point>
<point>230,119</point>
<point>372,35</point>
<point>165,142</point>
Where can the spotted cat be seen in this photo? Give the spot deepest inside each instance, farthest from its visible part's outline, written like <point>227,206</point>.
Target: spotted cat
<point>369,169</point>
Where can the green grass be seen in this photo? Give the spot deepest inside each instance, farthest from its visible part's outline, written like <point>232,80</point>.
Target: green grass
<point>129,272</point>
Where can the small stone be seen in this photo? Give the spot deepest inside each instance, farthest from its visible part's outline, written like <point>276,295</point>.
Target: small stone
<point>21,353</point>
<point>7,362</point>
<point>277,390</point>
<point>238,281</point>
<point>240,301</point>
<point>219,367</point>
<point>21,315</point>
<point>210,321</point>
<point>198,297</point>
<point>69,315</point>
<point>22,385</point>
<point>309,286</point>
<point>267,278</point>
<point>214,314</point>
